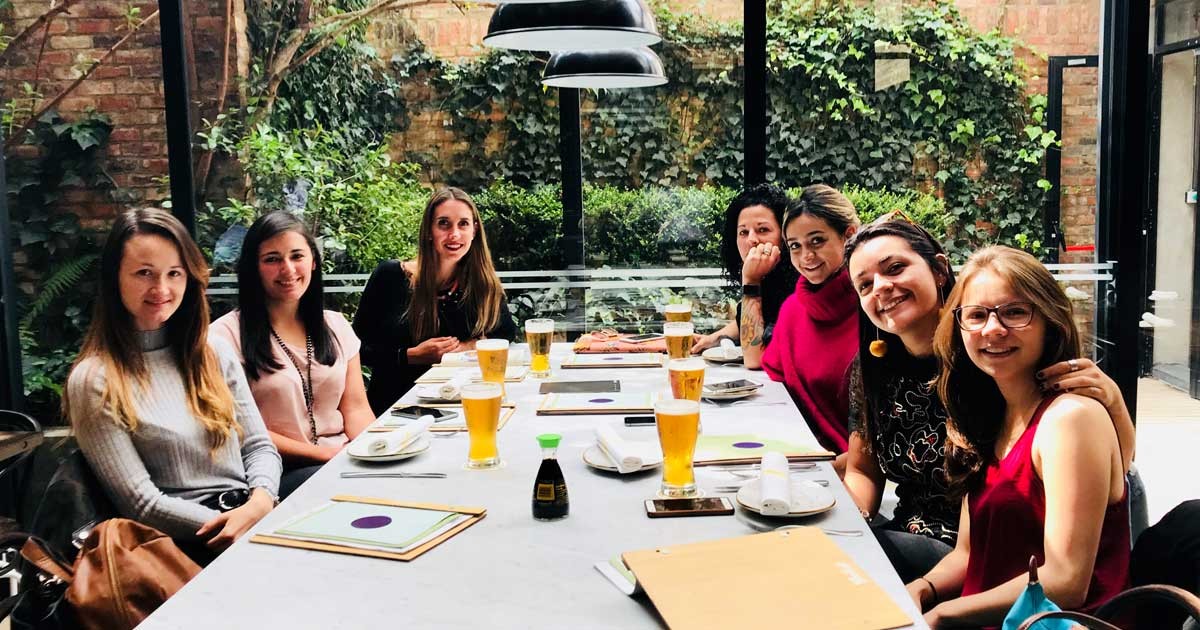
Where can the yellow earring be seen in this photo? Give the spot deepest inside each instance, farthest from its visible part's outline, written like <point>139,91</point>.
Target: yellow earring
<point>878,348</point>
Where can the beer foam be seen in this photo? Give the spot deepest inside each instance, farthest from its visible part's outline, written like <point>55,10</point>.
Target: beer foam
<point>491,344</point>
<point>685,365</point>
<point>538,326</point>
<point>678,308</point>
<point>481,391</point>
<point>676,407</point>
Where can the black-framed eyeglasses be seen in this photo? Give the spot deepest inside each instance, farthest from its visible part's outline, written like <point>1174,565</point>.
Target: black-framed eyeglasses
<point>974,317</point>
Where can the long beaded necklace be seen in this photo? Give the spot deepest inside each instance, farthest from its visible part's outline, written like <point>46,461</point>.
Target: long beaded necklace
<point>305,383</point>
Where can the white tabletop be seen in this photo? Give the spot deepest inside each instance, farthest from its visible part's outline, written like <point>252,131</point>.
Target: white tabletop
<point>509,570</point>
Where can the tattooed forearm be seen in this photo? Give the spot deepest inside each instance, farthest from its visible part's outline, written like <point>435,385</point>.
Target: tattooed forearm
<point>751,330</point>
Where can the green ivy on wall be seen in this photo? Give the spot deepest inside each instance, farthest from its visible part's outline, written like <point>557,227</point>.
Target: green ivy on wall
<point>961,127</point>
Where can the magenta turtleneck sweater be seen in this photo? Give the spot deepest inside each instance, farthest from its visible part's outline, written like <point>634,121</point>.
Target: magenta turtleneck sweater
<point>815,339</point>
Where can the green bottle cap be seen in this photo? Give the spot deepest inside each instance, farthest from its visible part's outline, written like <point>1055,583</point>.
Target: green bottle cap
<point>549,440</point>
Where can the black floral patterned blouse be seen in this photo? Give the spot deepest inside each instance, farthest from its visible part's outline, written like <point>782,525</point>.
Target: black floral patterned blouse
<point>909,441</point>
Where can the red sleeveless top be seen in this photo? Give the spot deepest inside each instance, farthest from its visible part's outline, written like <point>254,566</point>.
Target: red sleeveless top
<point>1008,515</point>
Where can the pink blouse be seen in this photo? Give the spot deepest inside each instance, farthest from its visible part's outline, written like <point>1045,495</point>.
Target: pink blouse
<point>279,394</point>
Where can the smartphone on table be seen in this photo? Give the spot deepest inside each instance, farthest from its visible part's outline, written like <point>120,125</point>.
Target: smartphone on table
<point>416,411</point>
<point>643,338</point>
<point>704,506</point>
<point>726,387</point>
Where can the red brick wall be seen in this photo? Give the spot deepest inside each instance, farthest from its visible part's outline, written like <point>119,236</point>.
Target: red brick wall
<point>127,88</point>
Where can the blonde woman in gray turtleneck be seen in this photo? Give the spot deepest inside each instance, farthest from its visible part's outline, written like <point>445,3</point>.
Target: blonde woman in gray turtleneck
<point>165,419</point>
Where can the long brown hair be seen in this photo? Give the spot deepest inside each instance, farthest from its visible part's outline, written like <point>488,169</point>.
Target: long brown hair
<point>113,341</point>
<point>973,401</point>
<point>476,275</point>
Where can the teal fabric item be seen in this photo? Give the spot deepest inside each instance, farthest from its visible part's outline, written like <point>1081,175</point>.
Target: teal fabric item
<point>1030,603</point>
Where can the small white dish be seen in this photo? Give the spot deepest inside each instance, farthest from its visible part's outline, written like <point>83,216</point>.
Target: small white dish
<point>595,457</point>
<point>358,450</point>
<point>808,498</point>
<point>734,395</point>
<point>717,355</point>
<point>431,394</point>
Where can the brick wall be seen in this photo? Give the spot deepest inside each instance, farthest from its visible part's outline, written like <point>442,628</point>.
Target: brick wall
<point>127,88</point>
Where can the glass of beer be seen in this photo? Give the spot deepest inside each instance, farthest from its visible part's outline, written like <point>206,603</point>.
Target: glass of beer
<point>539,333</point>
<point>687,377</point>
<point>679,339</point>
<point>678,426</point>
<point>678,312</point>
<point>481,407</point>
<point>493,359</point>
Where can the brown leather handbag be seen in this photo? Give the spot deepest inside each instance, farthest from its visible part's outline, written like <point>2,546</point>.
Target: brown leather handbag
<point>1123,602</point>
<point>124,572</point>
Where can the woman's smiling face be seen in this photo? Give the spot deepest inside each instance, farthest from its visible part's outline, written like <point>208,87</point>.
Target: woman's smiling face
<point>897,289</point>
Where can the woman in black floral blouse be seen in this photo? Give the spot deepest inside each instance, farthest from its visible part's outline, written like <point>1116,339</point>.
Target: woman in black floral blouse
<point>898,424</point>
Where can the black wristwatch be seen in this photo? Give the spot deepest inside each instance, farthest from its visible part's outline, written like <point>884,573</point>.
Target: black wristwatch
<point>751,290</point>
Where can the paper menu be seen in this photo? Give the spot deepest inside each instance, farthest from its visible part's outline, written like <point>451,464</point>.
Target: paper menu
<point>749,447</point>
<point>371,525</point>
<point>789,579</point>
<point>604,403</point>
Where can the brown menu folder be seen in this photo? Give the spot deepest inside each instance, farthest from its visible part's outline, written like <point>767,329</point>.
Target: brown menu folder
<point>476,514</point>
<point>793,579</point>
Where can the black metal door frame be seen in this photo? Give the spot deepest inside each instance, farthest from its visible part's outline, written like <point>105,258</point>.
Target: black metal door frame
<point>1160,52</point>
<point>1052,235</point>
<point>12,385</point>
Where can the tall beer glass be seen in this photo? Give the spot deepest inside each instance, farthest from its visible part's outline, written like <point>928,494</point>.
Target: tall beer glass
<point>679,339</point>
<point>539,333</point>
<point>687,377</point>
<point>678,426</point>
<point>678,312</point>
<point>493,359</point>
<point>481,406</point>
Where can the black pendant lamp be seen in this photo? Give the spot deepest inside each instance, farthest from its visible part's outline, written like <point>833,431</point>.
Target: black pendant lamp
<point>576,25</point>
<point>612,68</point>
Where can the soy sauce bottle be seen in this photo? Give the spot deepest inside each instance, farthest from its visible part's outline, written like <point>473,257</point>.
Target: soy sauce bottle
<point>550,489</point>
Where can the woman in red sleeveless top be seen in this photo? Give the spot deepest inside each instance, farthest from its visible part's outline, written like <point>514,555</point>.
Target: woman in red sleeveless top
<point>1042,472</point>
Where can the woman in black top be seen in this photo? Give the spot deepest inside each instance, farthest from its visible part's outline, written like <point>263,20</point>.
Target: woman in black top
<point>413,312</point>
<point>751,250</point>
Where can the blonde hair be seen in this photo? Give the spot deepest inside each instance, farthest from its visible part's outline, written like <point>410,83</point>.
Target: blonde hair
<point>973,400</point>
<point>482,291</point>
<point>113,342</point>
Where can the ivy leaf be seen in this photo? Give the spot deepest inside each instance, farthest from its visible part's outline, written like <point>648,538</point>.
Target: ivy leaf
<point>1044,184</point>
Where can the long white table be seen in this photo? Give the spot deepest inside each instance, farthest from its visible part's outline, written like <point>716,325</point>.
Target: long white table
<point>507,571</point>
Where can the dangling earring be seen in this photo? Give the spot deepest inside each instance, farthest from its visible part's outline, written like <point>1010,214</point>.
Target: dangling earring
<point>878,348</point>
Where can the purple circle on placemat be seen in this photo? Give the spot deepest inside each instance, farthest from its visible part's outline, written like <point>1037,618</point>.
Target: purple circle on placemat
<point>600,400</point>
<point>748,445</point>
<point>371,522</point>
<point>613,358</point>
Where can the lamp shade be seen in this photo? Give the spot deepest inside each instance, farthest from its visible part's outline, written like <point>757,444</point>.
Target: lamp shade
<point>577,25</point>
<point>612,68</point>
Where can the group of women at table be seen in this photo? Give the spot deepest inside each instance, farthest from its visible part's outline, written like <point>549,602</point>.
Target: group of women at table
<point>969,392</point>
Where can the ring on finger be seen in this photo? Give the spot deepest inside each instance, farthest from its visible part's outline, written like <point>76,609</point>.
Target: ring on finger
<point>1074,365</point>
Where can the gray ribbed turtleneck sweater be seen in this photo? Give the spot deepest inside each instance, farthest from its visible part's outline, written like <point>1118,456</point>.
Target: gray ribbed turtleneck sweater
<point>158,474</point>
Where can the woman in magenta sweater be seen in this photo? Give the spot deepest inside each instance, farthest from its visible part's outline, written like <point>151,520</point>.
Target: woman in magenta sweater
<point>816,336</point>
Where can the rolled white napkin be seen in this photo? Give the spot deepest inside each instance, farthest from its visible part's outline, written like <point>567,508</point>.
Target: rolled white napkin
<point>728,348</point>
<point>774,485</point>
<point>399,439</point>
<point>628,457</point>
<point>450,390</point>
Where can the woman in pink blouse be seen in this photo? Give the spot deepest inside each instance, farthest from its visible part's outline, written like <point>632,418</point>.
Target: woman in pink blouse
<point>301,360</point>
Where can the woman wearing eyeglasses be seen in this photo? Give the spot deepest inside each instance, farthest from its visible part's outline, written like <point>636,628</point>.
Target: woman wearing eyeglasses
<point>751,249</point>
<point>412,313</point>
<point>165,419</point>
<point>820,313</point>
<point>902,275</point>
<point>301,360</point>
<point>1042,471</point>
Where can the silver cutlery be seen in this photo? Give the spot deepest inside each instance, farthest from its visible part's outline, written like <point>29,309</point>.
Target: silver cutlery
<point>736,487</point>
<point>739,467</point>
<point>412,475</point>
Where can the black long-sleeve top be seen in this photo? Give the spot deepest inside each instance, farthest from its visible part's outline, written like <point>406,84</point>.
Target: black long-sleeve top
<point>382,326</point>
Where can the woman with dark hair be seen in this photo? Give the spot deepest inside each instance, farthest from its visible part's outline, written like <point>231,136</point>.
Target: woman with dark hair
<point>819,314</point>
<point>301,360</point>
<point>413,312</point>
<point>1042,470</point>
<point>751,248</point>
<point>898,432</point>
<point>164,418</point>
